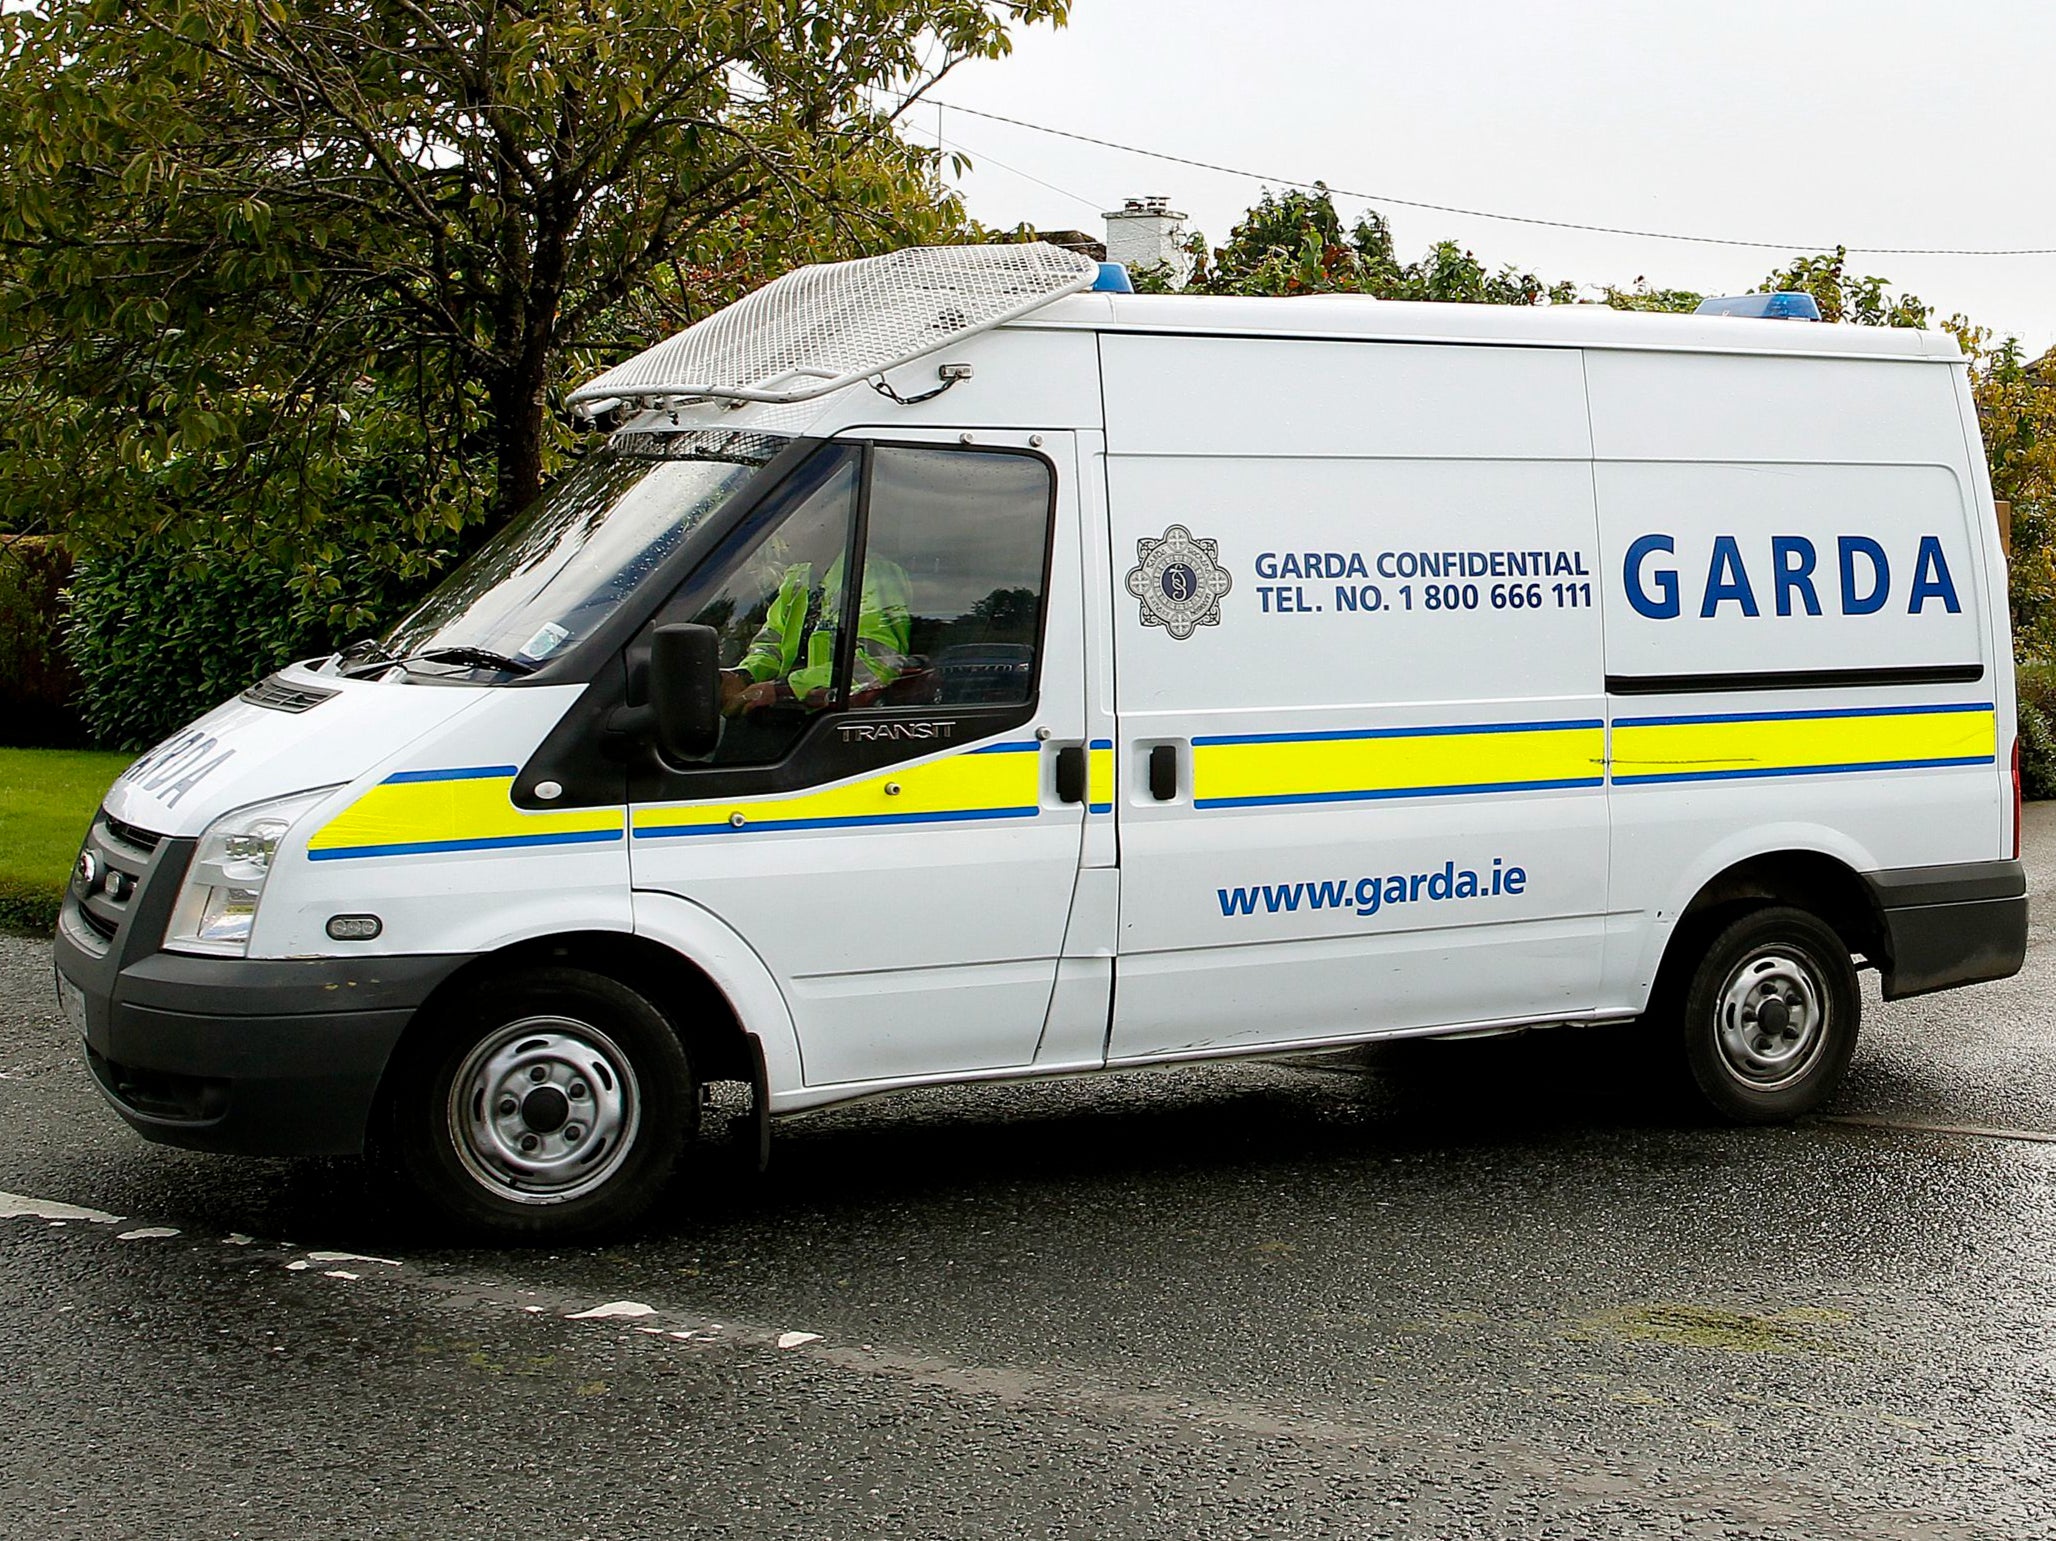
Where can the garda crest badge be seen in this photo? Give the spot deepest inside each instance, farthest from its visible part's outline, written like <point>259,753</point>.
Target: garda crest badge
<point>1180,581</point>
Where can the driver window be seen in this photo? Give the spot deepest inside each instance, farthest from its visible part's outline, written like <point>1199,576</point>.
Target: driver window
<point>779,612</point>
<point>953,567</point>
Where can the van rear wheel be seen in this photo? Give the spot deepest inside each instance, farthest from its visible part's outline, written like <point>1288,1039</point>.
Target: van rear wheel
<point>549,1103</point>
<point>1769,1015</point>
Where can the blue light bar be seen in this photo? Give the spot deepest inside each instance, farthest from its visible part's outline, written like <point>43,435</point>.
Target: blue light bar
<point>1784,306</point>
<point>1113,279</point>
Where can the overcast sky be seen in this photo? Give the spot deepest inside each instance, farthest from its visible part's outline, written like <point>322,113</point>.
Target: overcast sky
<point>1869,124</point>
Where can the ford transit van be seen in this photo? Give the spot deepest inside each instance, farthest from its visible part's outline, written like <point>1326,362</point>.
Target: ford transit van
<point>950,670</point>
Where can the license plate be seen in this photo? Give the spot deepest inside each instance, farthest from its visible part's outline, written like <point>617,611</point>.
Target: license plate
<point>72,1001</point>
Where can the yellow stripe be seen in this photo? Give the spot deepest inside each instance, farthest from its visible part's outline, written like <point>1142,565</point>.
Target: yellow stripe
<point>437,812</point>
<point>1766,746</point>
<point>965,785</point>
<point>1100,777</point>
<point>1341,768</point>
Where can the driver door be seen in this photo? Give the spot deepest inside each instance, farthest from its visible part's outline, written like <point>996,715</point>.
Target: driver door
<point>882,819</point>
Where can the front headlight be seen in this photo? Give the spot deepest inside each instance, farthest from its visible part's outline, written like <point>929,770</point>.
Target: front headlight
<point>225,881</point>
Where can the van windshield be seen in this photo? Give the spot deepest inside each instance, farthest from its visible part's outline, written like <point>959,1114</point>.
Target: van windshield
<point>558,570</point>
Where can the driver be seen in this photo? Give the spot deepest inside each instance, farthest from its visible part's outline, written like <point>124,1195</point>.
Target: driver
<point>792,656</point>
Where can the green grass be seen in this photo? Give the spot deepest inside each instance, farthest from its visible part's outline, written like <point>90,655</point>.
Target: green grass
<point>47,798</point>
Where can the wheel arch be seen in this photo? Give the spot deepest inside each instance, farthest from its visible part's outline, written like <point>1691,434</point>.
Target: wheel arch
<point>1813,880</point>
<point>707,992</point>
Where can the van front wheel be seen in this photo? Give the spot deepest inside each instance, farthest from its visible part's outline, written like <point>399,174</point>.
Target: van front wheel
<point>550,1103</point>
<point>1770,1016</point>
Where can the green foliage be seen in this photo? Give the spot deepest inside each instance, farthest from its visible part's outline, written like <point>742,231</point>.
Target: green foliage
<point>291,291</point>
<point>238,240</point>
<point>1643,297</point>
<point>47,798</point>
<point>1295,243</point>
<point>36,681</point>
<point>2035,682</point>
<point>165,631</point>
<point>1842,295</point>
<point>2016,408</point>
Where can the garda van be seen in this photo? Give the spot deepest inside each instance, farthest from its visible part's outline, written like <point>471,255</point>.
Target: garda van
<point>955,668</point>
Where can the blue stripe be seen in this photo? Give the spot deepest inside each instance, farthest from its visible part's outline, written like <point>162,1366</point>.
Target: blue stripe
<point>1435,732</point>
<point>1389,792</point>
<point>853,821</point>
<point>1101,807</point>
<point>1840,711</point>
<point>1010,748</point>
<point>467,773</point>
<point>493,843</point>
<point>1102,743</point>
<point>1802,770</point>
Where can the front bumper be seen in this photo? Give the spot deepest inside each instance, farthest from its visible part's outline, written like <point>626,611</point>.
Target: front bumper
<point>224,1054</point>
<point>250,1056</point>
<point>1954,925</point>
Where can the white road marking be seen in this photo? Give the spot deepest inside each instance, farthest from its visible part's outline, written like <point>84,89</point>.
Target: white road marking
<point>797,1339</point>
<point>341,1273</point>
<point>625,1308</point>
<point>17,1206</point>
<point>148,1233</point>
<point>350,1257</point>
<point>1908,1124</point>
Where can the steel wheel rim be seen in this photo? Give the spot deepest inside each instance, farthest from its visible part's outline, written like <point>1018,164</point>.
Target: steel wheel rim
<point>1771,1019</point>
<point>544,1110</point>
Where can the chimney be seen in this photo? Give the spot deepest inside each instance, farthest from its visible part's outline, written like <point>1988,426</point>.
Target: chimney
<point>1147,233</point>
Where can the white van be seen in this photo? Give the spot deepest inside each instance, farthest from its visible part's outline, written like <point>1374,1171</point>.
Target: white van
<point>950,671</point>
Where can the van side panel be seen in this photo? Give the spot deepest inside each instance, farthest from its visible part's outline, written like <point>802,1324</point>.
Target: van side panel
<point>1384,808</point>
<point>1799,644</point>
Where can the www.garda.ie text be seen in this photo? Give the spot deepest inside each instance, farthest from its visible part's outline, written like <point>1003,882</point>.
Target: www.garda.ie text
<point>1369,895</point>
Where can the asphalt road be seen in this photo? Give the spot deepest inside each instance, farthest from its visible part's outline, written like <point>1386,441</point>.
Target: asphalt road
<point>1467,1290</point>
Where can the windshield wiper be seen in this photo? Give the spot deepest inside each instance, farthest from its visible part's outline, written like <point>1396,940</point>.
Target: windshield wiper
<point>475,657</point>
<point>362,657</point>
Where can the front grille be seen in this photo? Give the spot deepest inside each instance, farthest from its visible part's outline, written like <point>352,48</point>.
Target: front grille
<point>127,834</point>
<point>275,693</point>
<point>118,857</point>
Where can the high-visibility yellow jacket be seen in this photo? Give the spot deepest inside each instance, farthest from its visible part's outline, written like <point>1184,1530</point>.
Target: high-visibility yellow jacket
<point>786,648</point>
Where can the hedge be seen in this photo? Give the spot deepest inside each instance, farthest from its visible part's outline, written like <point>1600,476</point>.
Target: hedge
<point>38,684</point>
<point>161,635</point>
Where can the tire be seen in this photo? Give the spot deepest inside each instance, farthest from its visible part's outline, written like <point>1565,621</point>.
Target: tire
<point>1769,1016</point>
<point>549,1104</point>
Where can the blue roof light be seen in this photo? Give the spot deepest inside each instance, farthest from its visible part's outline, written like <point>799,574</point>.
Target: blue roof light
<point>1786,305</point>
<point>1113,279</point>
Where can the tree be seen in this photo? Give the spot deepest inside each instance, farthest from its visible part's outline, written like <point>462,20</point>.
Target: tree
<point>1645,297</point>
<point>1295,243</point>
<point>1843,296</point>
<point>2016,408</point>
<point>249,248</point>
<point>1861,300</point>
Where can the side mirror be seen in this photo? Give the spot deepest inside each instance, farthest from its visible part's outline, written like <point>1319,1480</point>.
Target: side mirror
<point>685,690</point>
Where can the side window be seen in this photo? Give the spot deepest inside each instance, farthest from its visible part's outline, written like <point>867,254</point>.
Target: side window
<point>779,611</point>
<point>955,548</point>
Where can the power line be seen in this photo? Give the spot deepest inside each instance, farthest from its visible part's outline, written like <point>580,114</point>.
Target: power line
<point>1514,219</point>
<point>977,156</point>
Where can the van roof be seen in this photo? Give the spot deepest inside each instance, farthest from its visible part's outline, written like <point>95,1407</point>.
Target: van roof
<point>1359,317</point>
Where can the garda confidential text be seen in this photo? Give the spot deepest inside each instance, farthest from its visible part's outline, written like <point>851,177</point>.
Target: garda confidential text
<point>1367,896</point>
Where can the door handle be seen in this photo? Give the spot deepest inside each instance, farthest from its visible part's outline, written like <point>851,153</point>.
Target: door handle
<point>1163,772</point>
<point>1071,773</point>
